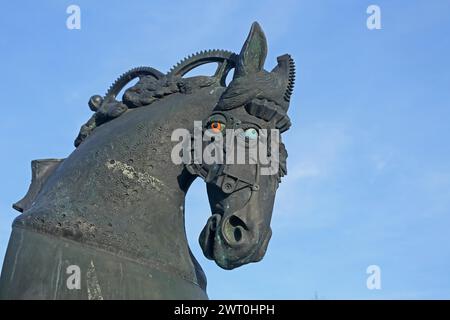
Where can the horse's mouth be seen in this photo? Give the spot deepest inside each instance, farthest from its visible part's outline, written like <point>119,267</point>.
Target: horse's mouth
<point>208,234</point>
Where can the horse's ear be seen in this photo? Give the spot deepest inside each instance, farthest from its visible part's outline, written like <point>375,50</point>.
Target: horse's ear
<point>253,53</point>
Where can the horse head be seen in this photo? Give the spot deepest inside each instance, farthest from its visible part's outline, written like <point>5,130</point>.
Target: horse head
<point>242,193</point>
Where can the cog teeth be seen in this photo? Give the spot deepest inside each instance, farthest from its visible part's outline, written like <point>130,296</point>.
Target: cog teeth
<point>291,80</point>
<point>183,65</point>
<point>125,77</point>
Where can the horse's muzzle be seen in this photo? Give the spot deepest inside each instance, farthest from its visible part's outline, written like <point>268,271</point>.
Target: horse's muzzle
<point>231,243</point>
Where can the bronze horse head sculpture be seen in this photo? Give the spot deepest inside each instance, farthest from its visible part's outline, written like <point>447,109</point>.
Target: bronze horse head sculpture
<point>107,222</point>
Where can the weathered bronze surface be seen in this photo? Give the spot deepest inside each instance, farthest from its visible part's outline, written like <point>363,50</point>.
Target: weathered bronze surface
<point>115,206</point>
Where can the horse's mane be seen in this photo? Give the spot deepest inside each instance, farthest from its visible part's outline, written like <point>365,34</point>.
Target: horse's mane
<point>153,85</point>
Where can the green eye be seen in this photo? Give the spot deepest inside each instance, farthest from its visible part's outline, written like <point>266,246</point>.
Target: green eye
<point>251,133</point>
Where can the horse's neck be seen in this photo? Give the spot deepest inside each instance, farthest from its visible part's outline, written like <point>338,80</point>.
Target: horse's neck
<point>120,190</point>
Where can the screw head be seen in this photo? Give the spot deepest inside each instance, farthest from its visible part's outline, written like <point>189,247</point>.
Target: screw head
<point>227,187</point>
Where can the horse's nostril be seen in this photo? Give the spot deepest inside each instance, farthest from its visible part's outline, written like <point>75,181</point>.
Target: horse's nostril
<point>237,234</point>
<point>237,222</point>
<point>234,230</point>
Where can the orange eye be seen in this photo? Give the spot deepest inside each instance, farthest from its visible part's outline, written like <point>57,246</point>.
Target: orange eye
<point>216,126</point>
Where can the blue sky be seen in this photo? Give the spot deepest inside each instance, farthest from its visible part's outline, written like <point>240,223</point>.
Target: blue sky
<point>369,153</point>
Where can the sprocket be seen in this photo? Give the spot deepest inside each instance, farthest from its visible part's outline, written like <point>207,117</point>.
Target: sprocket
<point>226,61</point>
<point>125,78</point>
